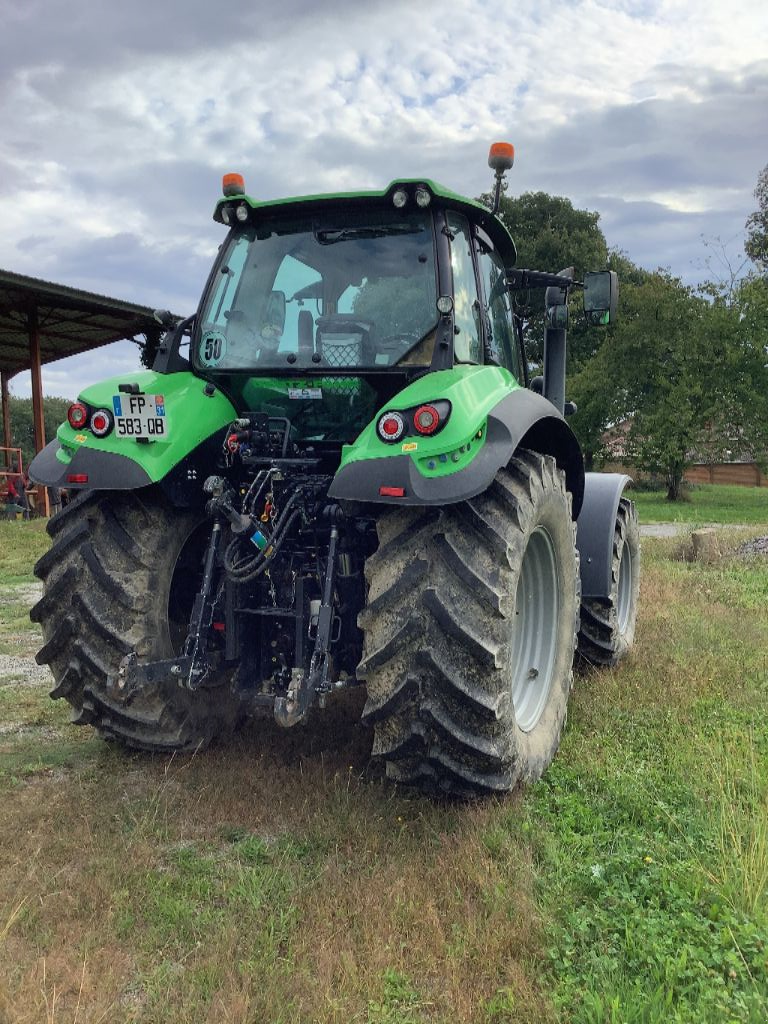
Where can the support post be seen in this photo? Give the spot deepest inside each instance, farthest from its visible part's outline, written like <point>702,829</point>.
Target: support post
<point>38,412</point>
<point>6,400</point>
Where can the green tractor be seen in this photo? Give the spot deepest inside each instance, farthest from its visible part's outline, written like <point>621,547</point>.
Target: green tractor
<point>336,473</point>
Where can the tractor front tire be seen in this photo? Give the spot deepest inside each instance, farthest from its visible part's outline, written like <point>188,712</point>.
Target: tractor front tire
<point>121,576</point>
<point>608,626</point>
<point>469,634</point>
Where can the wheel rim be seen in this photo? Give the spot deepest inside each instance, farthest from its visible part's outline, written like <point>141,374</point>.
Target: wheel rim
<point>534,637</point>
<point>626,582</point>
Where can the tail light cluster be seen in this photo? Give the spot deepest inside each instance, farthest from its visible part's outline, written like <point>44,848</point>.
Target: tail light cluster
<point>99,421</point>
<point>423,420</point>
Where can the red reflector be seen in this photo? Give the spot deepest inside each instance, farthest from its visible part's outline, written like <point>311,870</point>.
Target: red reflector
<point>77,414</point>
<point>392,492</point>
<point>218,626</point>
<point>77,478</point>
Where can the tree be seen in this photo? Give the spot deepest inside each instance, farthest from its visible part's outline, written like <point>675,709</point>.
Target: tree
<point>756,246</point>
<point>551,234</point>
<point>22,423</point>
<point>685,373</point>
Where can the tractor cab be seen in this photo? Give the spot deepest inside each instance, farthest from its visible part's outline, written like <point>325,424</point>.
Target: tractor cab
<point>329,306</point>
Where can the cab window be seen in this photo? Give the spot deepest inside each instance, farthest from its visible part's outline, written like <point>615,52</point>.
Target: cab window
<point>466,342</point>
<point>497,313</point>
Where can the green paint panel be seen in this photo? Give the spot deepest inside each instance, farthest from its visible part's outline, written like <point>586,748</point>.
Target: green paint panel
<point>472,391</point>
<point>192,417</point>
<point>471,207</point>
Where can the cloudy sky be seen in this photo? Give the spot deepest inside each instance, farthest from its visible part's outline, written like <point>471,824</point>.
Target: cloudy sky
<point>119,118</point>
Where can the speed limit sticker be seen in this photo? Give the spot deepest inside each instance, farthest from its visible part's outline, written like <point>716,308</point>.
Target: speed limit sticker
<point>213,348</point>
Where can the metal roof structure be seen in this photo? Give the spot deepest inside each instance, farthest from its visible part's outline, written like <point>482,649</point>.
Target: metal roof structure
<point>41,322</point>
<point>66,320</point>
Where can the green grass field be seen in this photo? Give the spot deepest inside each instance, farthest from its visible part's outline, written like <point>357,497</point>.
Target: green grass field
<point>278,880</point>
<point>705,503</point>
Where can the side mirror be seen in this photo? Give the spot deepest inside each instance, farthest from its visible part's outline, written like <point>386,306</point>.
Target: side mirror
<point>601,297</point>
<point>274,315</point>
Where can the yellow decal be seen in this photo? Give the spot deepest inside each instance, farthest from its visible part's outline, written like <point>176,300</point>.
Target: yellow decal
<point>80,438</point>
<point>410,446</point>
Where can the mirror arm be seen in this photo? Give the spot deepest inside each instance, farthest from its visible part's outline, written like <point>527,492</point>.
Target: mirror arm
<point>520,280</point>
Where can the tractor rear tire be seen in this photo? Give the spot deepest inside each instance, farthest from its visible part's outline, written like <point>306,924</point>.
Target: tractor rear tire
<point>121,576</point>
<point>469,634</point>
<point>608,627</point>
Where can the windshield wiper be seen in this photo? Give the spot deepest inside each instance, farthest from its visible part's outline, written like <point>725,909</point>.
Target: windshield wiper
<point>329,236</point>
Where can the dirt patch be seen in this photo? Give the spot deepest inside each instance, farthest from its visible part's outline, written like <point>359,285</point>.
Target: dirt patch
<point>16,668</point>
<point>21,593</point>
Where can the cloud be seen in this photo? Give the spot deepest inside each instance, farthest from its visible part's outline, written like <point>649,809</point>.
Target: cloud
<point>120,119</point>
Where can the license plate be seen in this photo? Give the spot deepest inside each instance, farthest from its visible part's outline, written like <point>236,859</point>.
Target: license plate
<point>140,416</point>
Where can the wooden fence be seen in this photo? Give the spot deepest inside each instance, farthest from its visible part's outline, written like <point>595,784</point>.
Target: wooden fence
<point>744,474</point>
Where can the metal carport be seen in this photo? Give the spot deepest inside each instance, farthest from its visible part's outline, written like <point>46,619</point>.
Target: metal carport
<point>41,322</point>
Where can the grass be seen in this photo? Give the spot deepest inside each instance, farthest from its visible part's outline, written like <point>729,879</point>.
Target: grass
<point>21,544</point>
<point>704,504</point>
<point>277,880</point>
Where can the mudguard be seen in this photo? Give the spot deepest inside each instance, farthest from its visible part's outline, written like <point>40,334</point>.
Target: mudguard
<point>490,418</point>
<point>196,412</point>
<point>594,531</point>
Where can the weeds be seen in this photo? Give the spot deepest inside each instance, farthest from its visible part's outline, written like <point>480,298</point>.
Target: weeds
<point>741,868</point>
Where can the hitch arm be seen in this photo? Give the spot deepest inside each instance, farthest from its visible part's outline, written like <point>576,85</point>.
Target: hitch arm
<point>195,646</point>
<point>189,668</point>
<point>304,685</point>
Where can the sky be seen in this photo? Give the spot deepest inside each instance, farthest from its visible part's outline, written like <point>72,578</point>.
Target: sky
<point>117,121</point>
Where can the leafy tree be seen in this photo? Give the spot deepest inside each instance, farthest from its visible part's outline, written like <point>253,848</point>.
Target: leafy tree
<point>551,234</point>
<point>756,246</point>
<point>22,424</point>
<point>685,374</point>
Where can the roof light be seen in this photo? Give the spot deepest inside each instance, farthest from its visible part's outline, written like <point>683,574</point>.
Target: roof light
<point>445,304</point>
<point>423,197</point>
<point>426,419</point>
<point>501,156</point>
<point>77,414</point>
<point>241,213</point>
<point>101,422</point>
<point>390,426</point>
<point>399,198</point>
<point>225,214</point>
<point>233,185</point>
<point>392,492</point>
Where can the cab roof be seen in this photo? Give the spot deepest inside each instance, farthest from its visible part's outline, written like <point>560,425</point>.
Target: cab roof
<point>475,211</point>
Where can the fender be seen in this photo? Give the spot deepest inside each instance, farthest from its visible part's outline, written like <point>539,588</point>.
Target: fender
<point>196,413</point>
<point>516,418</point>
<point>594,531</point>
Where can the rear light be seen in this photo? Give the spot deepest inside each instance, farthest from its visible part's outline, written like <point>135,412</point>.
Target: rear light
<point>77,478</point>
<point>392,492</point>
<point>77,414</point>
<point>101,422</point>
<point>390,426</point>
<point>426,419</point>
